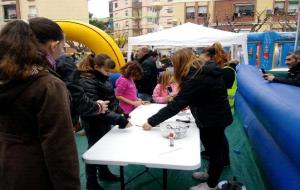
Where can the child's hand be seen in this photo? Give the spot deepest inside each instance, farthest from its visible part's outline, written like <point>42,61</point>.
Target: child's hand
<point>269,77</point>
<point>137,103</point>
<point>103,105</point>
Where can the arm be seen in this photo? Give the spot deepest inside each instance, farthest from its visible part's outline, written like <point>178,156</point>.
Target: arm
<point>292,81</point>
<point>189,89</point>
<point>57,138</point>
<point>131,102</point>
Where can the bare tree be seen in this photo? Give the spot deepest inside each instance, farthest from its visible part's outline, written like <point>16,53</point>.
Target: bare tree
<point>79,47</point>
<point>259,22</point>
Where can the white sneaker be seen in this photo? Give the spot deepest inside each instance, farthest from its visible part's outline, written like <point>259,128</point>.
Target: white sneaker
<point>200,175</point>
<point>202,186</point>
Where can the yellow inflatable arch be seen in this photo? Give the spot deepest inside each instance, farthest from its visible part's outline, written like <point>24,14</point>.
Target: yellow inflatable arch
<point>94,38</point>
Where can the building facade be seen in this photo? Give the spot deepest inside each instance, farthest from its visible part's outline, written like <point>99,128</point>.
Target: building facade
<point>137,17</point>
<point>54,9</point>
<point>239,15</point>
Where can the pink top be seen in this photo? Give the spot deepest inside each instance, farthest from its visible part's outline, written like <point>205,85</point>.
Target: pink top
<point>160,95</point>
<point>127,89</point>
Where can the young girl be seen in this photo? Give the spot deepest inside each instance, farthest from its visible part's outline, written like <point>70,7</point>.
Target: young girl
<point>95,70</point>
<point>126,91</point>
<point>166,88</point>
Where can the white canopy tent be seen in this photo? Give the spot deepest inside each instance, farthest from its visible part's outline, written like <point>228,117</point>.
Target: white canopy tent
<point>190,35</point>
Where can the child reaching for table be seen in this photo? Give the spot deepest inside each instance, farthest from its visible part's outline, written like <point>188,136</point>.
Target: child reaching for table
<point>126,91</point>
<point>166,88</point>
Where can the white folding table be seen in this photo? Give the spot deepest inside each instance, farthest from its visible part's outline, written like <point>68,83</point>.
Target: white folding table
<point>148,148</point>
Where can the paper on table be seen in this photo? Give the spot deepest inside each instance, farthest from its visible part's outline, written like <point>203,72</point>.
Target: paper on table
<point>140,115</point>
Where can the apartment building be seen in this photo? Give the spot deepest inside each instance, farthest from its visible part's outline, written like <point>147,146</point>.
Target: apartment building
<point>137,17</point>
<point>54,9</point>
<point>238,15</point>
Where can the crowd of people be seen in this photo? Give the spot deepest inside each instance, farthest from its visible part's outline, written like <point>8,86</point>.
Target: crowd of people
<point>44,94</point>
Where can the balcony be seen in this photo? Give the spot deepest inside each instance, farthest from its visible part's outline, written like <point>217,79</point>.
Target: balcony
<point>136,5</point>
<point>136,27</point>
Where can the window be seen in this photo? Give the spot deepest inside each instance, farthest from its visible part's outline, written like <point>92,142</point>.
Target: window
<point>126,24</point>
<point>126,13</point>
<point>190,12</point>
<point>10,11</point>
<point>149,30</point>
<point>278,8</point>
<point>202,11</point>
<point>292,8</point>
<point>170,0</point>
<point>117,25</point>
<point>32,11</point>
<point>169,10</point>
<point>244,10</point>
<point>116,5</point>
<point>170,21</point>
<point>126,2</point>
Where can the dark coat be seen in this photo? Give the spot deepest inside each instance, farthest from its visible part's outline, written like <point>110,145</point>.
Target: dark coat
<point>37,145</point>
<point>150,73</point>
<point>205,93</point>
<point>80,103</point>
<point>97,87</point>
<point>293,77</point>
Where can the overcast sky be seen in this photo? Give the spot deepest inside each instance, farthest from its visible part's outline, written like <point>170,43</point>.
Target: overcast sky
<point>99,8</point>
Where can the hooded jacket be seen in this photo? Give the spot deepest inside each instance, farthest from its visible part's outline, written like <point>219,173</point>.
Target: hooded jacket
<point>205,93</point>
<point>37,146</point>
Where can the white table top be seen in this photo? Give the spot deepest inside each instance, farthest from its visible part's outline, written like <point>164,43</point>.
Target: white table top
<point>148,148</point>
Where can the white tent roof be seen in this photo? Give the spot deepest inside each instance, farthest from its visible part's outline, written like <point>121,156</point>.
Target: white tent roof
<point>190,35</point>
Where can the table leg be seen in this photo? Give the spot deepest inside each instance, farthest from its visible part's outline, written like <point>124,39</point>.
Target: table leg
<point>122,177</point>
<point>165,179</point>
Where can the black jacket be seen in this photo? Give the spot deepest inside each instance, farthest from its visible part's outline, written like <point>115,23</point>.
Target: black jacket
<point>97,87</point>
<point>150,72</point>
<point>205,93</point>
<point>293,77</point>
<point>80,104</point>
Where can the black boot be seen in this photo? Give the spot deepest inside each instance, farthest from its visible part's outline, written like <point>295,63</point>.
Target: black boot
<point>93,185</point>
<point>105,175</point>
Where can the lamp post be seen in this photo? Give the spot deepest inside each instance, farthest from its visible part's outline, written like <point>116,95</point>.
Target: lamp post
<point>157,6</point>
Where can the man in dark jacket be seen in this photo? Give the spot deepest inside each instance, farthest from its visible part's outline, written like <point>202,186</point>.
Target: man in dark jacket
<point>148,82</point>
<point>293,78</point>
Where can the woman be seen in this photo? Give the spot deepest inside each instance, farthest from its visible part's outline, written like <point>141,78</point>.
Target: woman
<point>37,146</point>
<point>201,87</point>
<point>95,70</point>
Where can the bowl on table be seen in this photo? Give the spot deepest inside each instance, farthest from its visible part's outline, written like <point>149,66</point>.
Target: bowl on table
<point>178,128</point>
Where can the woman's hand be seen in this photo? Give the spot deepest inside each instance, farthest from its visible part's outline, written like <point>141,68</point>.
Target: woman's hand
<point>147,127</point>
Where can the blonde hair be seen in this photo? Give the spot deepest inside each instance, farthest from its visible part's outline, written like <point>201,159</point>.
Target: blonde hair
<point>183,60</point>
<point>165,78</point>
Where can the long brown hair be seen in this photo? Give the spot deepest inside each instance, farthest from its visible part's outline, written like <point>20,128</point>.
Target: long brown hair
<point>221,56</point>
<point>183,60</point>
<point>18,51</point>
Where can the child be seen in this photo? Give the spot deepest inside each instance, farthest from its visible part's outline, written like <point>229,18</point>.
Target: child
<point>126,91</point>
<point>95,70</point>
<point>166,88</point>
